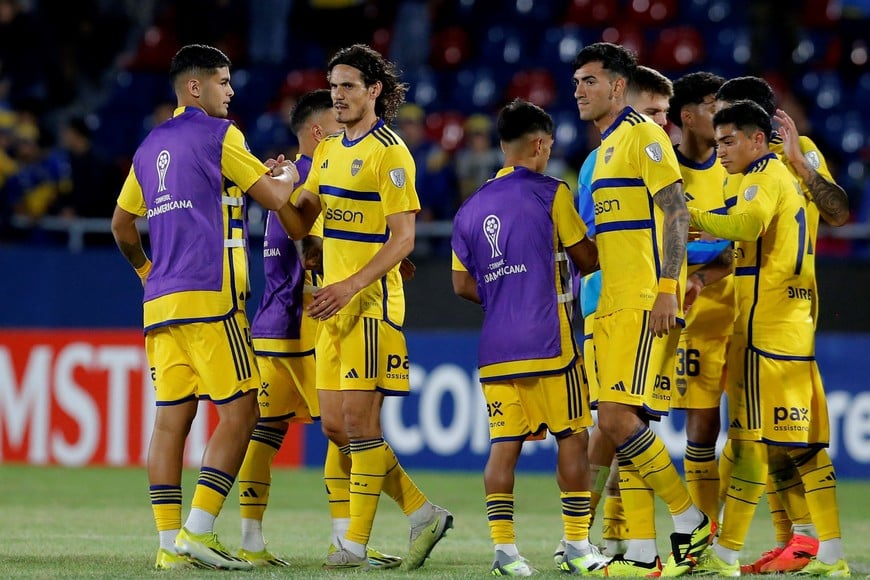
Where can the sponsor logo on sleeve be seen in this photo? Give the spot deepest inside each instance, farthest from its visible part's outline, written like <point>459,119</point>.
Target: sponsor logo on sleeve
<point>397,176</point>
<point>654,152</point>
<point>750,192</point>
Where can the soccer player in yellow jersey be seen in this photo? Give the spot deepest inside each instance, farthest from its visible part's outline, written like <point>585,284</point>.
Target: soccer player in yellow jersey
<point>197,337</point>
<point>775,416</point>
<point>710,318</point>
<point>363,181</point>
<point>641,226</point>
<point>648,93</point>
<point>798,527</point>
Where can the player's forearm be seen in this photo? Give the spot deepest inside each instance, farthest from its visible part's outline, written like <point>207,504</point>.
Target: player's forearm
<point>397,248</point>
<point>741,227</point>
<point>830,198</point>
<point>676,229</point>
<point>293,221</point>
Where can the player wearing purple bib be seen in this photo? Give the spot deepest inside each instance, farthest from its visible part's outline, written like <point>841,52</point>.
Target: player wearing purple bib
<point>189,177</point>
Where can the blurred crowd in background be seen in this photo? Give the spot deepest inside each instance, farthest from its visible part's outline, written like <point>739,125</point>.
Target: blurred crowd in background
<point>81,83</point>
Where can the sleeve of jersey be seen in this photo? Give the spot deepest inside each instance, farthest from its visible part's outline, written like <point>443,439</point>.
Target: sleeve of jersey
<point>751,219</point>
<point>397,178</point>
<point>131,199</point>
<point>655,157</point>
<point>457,264</point>
<point>238,164</point>
<point>815,158</point>
<point>585,205</point>
<point>569,227</point>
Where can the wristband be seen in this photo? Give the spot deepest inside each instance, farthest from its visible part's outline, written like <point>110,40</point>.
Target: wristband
<point>667,286</point>
<point>143,270</point>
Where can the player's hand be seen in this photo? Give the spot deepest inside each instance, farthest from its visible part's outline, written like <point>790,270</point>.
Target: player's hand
<point>663,316</point>
<point>330,299</point>
<point>693,289</point>
<point>272,163</point>
<point>407,269</point>
<point>790,137</point>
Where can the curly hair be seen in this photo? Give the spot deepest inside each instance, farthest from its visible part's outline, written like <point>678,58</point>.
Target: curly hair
<point>374,67</point>
<point>692,89</point>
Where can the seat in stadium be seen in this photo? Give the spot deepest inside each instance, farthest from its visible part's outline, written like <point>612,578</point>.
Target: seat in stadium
<point>450,48</point>
<point>652,12</point>
<point>446,128</point>
<point>629,35</point>
<point>677,49</point>
<point>591,12</point>
<point>475,89</point>
<point>534,85</point>
<point>423,86</point>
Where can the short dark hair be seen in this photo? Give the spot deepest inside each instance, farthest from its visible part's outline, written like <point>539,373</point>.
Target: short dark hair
<point>309,104</point>
<point>754,89</point>
<point>747,116</point>
<point>692,89</point>
<point>614,58</point>
<point>374,67</point>
<point>521,118</point>
<point>197,57</point>
<point>648,80</point>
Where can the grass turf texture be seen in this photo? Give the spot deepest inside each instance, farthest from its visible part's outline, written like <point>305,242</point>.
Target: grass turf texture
<point>96,523</point>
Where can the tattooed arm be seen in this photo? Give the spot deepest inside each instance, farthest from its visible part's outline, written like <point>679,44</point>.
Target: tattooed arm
<point>670,199</point>
<point>830,198</point>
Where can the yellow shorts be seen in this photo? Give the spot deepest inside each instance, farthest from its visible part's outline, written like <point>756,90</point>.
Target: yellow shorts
<point>590,364</point>
<point>526,408</point>
<point>288,392</point>
<point>775,400</point>
<point>700,372</point>
<point>356,353</point>
<point>205,360</point>
<point>635,367</point>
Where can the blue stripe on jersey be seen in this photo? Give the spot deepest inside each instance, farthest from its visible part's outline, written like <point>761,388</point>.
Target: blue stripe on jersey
<point>731,201</point>
<point>746,271</point>
<point>234,223</point>
<point>617,182</point>
<point>624,225</point>
<point>350,194</point>
<point>720,210</point>
<point>355,236</point>
<point>766,354</point>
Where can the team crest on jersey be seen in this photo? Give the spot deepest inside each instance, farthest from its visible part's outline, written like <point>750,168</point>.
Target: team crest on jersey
<point>750,192</point>
<point>813,159</point>
<point>397,176</point>
<point>654,152</point>
<point>608,154</point>
<point>355,166</point>
<point>491,229</point>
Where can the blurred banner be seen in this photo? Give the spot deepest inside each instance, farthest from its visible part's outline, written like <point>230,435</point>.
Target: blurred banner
<point>80,397</point>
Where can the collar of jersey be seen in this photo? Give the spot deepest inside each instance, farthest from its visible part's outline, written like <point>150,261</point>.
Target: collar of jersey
<point>347,143</point>
<point>625,113</point>
<point>694,165</point>
<point>181,110</point>
<point>758,162</point>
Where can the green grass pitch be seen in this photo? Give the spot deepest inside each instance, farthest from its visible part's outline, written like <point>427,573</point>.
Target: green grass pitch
<point>96,523</point>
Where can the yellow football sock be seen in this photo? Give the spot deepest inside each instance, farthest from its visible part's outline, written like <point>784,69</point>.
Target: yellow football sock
<point>575,515</point>
<point>368,468</point>
<point>212,489</point>
<point>500,514</point>
<point>820,486</point>
<point>166,505</point>
<point>614,524</point>
<point>255,475</point>
<point>748,480</point>
<point>336,476</point>
<point>638,501</point>
<point>726,466</point>
<point>702,477</point>
<point>399,485</point>
<point>787,502</point>
<point>649,455</point>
